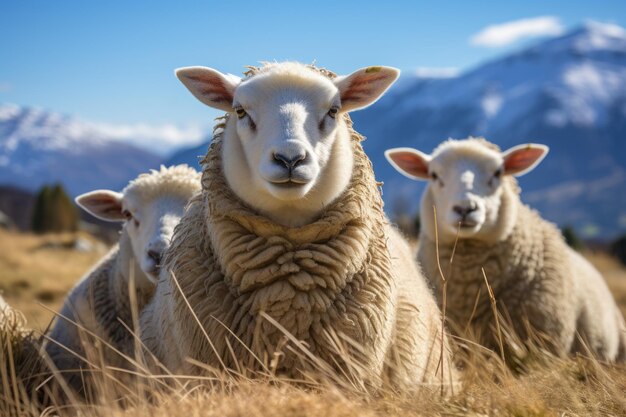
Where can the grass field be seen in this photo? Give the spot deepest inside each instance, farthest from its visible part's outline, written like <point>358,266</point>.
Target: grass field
<point>38,270</point>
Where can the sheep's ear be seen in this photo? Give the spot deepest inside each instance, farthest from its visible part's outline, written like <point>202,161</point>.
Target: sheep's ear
<point>522,159</point>
<point>103,204</point>
<point>409,162</point>
<point>210,86</point>
<point>365,86</point>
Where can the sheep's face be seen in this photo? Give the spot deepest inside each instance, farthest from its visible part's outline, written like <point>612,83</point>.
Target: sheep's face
<point>286,126</point>
<point>150,211</point>
<point>286,148</point>
<point>466,184</point>
<point>150,226</point>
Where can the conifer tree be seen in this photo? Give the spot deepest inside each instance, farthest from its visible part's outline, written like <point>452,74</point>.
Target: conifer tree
<point>54,211</point>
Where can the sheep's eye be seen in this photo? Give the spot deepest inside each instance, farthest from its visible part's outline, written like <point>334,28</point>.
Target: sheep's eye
<point>129,216</point>
<point>241,113</point>
<point>333,112</point>
<point>498,173</point>
<point>434,176</point>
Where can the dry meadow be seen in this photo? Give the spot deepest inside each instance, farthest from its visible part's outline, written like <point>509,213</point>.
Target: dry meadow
<point>37,271</point>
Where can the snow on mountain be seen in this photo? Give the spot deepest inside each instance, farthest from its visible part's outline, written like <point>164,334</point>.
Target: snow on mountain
<point>189,156</point>
<point>39,147</point>
<point>568,92</point>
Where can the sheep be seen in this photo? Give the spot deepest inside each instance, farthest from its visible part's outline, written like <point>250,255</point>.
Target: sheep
<point>286,257</point>
<point>150,206</point>
<point>549,292</point>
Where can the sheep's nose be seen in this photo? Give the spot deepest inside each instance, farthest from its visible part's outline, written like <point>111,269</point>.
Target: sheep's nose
<point>289,162</point>
<point>464,210</point>
<point>156,256</point>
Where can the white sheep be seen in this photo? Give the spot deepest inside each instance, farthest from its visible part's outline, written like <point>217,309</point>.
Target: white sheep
<point>151,206</point>
<point>539,283</point>
<point>288,245</point>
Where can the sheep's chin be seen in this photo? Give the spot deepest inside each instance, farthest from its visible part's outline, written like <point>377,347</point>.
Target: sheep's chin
<point>467,232</point>
<point>463,231</point>
<point>289,191</point>
<point>153,277</point>
<point>150,270</point>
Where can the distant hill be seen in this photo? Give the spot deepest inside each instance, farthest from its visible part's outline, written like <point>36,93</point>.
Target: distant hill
<point>39,147</point>
<point>17,204</point>
<point>567,92</point>
<point>189,156</point>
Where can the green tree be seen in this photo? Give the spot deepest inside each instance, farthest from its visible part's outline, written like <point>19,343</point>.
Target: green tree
<point>618,249</point>
<point>572,239</point>
<point>40,222</point>
<point>54,211</point>
<point>62,211</point>
<point>417,223</point>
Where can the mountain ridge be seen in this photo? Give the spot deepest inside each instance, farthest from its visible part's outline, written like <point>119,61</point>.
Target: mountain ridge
<point>549,92</point>
<point>568,92</point>
<point>38,147</point>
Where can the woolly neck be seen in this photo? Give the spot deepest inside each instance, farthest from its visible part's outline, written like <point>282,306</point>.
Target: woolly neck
<point>110,296</point>
<point>354,212</point>
<point>526,260</point>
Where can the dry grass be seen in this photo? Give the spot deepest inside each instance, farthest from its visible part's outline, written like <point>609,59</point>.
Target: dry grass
<point>547,387</point>
<point>614,273</point>
<point>41,269</point>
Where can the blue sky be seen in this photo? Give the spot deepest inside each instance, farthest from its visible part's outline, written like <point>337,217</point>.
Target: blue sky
<point>113,61</point>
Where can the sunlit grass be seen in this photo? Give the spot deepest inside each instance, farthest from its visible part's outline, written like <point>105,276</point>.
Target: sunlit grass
<point>545,386</point>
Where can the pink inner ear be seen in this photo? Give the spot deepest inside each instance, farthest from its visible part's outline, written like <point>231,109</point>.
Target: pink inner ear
<point>521,159</point>
<point>360,87</point>
<point>213,88</point>
<point>103,204</point>
<point>410,163</point>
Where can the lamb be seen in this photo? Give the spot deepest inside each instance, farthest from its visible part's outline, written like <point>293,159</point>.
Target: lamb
<point>286,257</point>
<point>550,293</point>
<point>151,205</point>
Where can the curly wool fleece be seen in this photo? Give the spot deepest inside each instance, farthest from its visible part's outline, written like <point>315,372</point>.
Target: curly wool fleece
<point>546,292</point>
<point>323,283</point>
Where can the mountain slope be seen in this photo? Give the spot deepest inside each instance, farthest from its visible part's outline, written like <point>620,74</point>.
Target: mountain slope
<point>39,147</point>
<point>189,156</point>
<point>567,92</point>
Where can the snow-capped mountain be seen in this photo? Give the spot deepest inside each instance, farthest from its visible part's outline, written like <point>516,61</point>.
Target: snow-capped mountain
<point>189,156</point>
<point>567,92</point>
<point>39,147</point>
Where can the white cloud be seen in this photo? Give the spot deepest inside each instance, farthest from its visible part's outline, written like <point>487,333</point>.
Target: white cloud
<point>445,72</point>
<point>506,33</point>
<point>160,139</point>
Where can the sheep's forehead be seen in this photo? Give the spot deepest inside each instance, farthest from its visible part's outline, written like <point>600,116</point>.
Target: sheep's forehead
<point>178,182</point>
<point>154,202</point>
<point>466,154</point>
<point>286,81</point>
